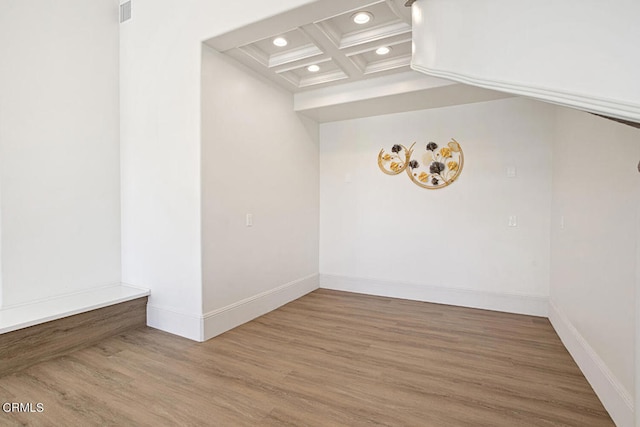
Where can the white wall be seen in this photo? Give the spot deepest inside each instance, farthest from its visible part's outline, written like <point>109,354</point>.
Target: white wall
<point>575,52</point>
<point>59,155</point>
<point>637,332</point>
<point>160,69</point>
<point>593,259</point>
<point>258,157</point>
<point>383,234</point>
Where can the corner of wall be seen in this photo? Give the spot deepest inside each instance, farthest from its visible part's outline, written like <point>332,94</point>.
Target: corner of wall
<point>182,324</point>
<point>226,318</point>
<point>613,395</point>
<point>637,329</point>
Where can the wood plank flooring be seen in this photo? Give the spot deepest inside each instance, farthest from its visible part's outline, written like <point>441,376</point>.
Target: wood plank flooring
<point>25,347</point>
<point>328,359</point>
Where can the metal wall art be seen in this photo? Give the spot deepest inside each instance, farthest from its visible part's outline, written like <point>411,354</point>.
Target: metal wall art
<point>435,167</point>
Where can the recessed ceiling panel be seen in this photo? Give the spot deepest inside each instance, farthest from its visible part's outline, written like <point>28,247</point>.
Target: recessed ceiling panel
<point>380,12</point>
<point>314,74</point>
<point>322,68</point>
<point>386,51</point>
<point>282,49</point>
<point>341,49</point>
<point>295,40</point>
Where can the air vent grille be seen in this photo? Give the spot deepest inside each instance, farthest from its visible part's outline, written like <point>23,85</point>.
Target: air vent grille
<point>125,11</point>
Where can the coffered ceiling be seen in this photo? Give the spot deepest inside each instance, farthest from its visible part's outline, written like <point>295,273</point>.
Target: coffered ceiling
<point>324,43</point>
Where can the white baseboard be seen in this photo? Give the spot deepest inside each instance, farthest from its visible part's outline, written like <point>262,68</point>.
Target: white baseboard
<point>613,395</point>
<point>510,303</point>
<point>203,327</point>
<point>226,318</point>
<point>185,325</point>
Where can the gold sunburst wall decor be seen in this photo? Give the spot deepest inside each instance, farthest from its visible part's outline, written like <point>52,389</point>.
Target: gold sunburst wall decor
<point>434,168</point>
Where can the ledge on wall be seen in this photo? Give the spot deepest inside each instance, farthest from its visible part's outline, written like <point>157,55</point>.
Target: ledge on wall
<point>30,314</point>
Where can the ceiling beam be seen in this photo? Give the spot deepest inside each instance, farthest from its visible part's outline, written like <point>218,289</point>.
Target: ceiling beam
<point>329,48</point>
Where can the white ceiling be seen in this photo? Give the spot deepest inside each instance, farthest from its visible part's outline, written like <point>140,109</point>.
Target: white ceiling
<point>325,35</point>
<point>353,80</point>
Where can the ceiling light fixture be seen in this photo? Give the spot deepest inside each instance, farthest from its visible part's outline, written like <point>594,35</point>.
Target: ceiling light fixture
<point>280,41</point>
<point>362,18</point>
<point>383,50</point>
<point>313,68</point>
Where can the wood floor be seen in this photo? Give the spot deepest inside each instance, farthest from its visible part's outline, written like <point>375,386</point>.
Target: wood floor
<point>25,347</point>
<point>327,359</point>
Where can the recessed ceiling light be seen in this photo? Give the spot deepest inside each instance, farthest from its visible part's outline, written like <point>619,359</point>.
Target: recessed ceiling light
<point>313,68</point>
<point>362,18</point>
<point>383,50</point>
<point>280,41</point>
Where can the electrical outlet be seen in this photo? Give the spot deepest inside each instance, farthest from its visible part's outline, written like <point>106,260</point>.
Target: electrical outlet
<point>511,172</point>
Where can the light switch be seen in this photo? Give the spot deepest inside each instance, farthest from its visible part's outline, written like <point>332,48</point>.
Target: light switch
<point>562,222</point>
<point>511,172</point>
<point>513,221</point>
<point>347,178</point>
<point>249,220</point>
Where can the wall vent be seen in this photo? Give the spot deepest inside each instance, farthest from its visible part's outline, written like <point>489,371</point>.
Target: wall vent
<point>125,11</point>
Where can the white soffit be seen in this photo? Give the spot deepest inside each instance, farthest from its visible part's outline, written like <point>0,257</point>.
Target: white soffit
<point>323,33</point>
<point>378,87</point>
<point>345,102</point>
